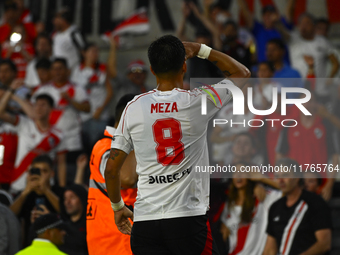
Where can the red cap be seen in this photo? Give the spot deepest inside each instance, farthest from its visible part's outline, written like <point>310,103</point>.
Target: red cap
<point>137,63</point>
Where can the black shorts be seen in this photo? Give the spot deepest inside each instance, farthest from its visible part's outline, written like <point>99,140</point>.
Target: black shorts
<point>177,236</point>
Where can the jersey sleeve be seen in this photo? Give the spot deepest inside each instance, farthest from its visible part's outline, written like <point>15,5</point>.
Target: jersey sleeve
<point>216,97</point>
<point>122,138</point>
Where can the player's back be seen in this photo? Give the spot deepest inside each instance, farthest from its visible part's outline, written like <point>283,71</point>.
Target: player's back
<point>168,134</point>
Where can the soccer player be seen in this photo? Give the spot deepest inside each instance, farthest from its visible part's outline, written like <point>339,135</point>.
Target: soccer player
<point>168,134</point>
<point>299,222</point>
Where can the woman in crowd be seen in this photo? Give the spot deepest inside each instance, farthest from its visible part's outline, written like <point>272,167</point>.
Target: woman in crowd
<point>244,218</point>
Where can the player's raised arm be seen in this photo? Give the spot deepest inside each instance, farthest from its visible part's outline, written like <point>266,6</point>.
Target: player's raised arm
<point>231,68</point>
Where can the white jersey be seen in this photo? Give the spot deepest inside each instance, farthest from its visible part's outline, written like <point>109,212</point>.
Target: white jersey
<point>31,143</point>
<point>68,44</point>
<point>93,81</point>
<point>249,239</point>
<point>168,134</point>
<point>64,116</point>
<point>320,49</point>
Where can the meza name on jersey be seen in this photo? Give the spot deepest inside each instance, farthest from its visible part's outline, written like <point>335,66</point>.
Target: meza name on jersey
<point>164,107</point>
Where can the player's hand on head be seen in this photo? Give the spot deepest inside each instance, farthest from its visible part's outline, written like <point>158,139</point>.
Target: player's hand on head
<point>191,49</point>
<point>122,220</point>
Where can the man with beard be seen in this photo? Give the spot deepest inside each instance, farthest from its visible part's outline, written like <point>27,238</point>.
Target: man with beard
<point>74,212</point>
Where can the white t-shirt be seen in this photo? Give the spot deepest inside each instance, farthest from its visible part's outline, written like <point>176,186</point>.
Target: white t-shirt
<point>319,48</point>
<point>253,235</point>
<point>68,44</point>
<point>32,79</point>
<point>168,134</point>
<point>64,116</point>
<point>29,137</point>
<point>93,81</point>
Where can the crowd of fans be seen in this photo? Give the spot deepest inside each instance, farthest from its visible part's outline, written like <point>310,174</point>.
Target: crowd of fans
<point>54,105</point>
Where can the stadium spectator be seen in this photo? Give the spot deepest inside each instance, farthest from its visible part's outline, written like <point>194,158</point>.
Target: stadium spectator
<point>91,76</point>
<point>35,134</point>
<point>11,18</point>
<point>8,72</point>
<point>275,51</point>
<point>246,235</point>
<point>69,101</point>
<point>305,42</point>
<point>38,196</point>
<point>43,50</point>
<point>74,211</point>
<point>173,212</point>
<point>18,50</point>
<point>8,134</point>
<point>99,214</point>
<point>265,31</point>
<point>232,47</point>
<point>50,231</point>
<point>67,40</point>
<point>264,83</point>
<point>25,15</point>
<point>204,33</point>
<point>222,136</point>
<point>244,149</point>
<point>10,231</point>
<point>269,133</point>
<point>299,222</point>
<point>206,28</point>
<point>311,141</point>
<point>132,81</point>
<point>312,182</point>
<point>43,69</point>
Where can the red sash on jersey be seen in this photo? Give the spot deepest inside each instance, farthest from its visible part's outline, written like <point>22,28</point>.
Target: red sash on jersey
<point>242,232</point>
<point>45,146</point>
